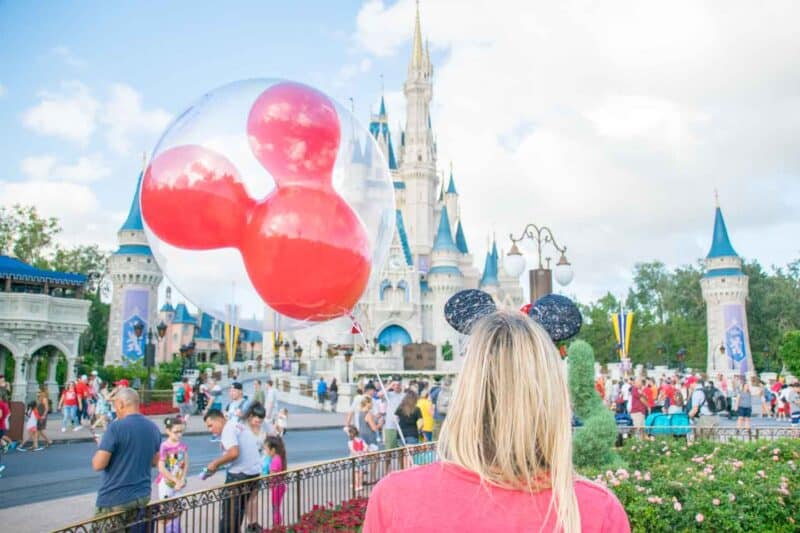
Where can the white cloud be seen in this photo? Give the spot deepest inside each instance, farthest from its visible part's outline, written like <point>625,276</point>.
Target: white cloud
<point>613,124</point>
<point>351,70</point>
<point>75,205</point>
<point>70,113</point>
<point>127,120</point>
<point>85,169</point>
<point>66,55</point>
<point>73,113</point>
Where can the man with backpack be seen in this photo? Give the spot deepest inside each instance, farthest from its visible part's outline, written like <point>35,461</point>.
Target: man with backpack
<point>705,403</point>
<point>441,404</point>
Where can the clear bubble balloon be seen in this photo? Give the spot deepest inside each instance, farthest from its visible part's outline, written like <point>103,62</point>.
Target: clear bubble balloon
<point>267,205</point>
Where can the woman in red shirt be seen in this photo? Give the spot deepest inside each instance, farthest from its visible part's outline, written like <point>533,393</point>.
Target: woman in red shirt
<point>69,406</point>
<point>505,445</point>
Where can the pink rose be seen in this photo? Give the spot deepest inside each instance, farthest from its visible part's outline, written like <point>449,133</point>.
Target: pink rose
<point>731,497</point>
<point>699,517</point>
<point>715,501</point>
<point>677,506</point>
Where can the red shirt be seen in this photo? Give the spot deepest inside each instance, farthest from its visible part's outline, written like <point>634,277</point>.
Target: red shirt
<point>82,389</point>
<point>651,394</point>
<point>70,398</point>
<point>4,412</point>
<point>637,406</point>
<point>600,387</point>
<point>669,392</point>
<point>454,500</point>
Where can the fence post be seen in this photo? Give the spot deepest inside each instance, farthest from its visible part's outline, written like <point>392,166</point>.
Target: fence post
<point>353,478</point>
<point>299,493</point>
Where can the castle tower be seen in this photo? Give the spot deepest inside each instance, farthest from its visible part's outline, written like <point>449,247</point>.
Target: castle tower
<point>135,277</point>
<point>725,289</point>
<point>418,170</point>
<point>444,278</point>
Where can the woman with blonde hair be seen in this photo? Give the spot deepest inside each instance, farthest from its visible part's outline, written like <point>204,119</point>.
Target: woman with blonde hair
<point>505,447</point>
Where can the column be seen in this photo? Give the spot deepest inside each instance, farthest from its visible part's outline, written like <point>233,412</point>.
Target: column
<point>2,361</point>
<point>71,367</point>
<point>32,383</point>
<point>20,382</point>
<point>51,383</point>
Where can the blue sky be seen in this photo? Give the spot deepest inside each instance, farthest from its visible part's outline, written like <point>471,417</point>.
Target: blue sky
<point>611,123</point>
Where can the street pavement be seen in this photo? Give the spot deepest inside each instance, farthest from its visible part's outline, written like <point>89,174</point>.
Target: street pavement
<point>65,470</point>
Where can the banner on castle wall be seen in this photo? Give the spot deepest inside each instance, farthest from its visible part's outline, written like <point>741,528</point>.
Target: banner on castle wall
<point>735,336</point>
<point>135,308</point>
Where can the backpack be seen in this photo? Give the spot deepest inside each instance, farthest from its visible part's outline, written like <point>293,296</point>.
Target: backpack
<point>715,399</point>
<point>443,401</point>
<point>180,395</point>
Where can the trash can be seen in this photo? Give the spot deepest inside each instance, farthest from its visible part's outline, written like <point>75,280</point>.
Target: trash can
<point>16,424</point>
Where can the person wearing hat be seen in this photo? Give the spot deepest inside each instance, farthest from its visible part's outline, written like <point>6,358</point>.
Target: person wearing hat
<point>238,404</point>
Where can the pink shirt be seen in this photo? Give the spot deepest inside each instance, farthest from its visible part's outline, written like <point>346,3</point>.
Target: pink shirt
<point>453,499</point>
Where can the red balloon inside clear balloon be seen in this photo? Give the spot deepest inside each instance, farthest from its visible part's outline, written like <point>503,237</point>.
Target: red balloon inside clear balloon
<point>305,249</point>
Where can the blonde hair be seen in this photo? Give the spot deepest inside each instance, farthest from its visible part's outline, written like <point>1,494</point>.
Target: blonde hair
<point>509,419</point>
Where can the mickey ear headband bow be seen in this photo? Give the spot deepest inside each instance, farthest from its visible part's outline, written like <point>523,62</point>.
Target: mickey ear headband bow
<point>558,315</point>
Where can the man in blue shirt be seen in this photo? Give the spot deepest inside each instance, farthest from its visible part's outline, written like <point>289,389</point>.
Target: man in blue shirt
<point>126,454</point>
<point>322,392</point>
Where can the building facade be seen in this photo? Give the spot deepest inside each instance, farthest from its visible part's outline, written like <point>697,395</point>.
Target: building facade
<point>725,290</point>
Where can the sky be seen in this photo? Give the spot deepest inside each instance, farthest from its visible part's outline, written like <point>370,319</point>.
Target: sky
<point>612,123</point>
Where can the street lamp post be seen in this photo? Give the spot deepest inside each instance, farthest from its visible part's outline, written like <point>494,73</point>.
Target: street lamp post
<point>348,355</point>
<point>541,278</point>
<point>680,355</point>
<point>766,356</point>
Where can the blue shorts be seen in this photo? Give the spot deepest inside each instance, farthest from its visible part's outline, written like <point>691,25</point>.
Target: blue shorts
<point>795,418</point>
<point>745,412</point>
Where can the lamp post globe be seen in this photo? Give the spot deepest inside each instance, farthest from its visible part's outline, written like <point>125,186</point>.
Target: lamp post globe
<point>515,262</point>
<point>563,271</point>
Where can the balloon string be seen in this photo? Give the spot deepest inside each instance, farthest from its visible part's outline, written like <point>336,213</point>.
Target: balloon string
<point>380,381</point>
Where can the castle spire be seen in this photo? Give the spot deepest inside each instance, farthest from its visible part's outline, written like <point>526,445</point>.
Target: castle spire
<point>417,50</point>
<point>720,244</point>
<point>444,237</point>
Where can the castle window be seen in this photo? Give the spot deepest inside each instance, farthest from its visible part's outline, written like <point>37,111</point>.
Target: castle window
<point>386,285</point>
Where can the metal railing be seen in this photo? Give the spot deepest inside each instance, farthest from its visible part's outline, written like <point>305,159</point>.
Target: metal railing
<point>263,502</point>
<point>716,434</point>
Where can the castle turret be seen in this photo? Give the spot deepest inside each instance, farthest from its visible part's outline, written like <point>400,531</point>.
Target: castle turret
<point>135,277</point>
<point>445,277</point>
<point>725,290</point>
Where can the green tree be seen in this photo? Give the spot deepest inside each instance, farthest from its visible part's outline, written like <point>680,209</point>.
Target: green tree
<point>27,235</point>
<point>597,329</point>
<point>790,351</point>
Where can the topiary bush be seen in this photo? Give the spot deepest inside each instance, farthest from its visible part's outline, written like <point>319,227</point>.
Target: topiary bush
<point>592,443</point>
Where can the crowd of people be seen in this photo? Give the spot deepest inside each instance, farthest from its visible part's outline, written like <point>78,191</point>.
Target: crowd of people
<point>705,400</point>
<point>250,442</point>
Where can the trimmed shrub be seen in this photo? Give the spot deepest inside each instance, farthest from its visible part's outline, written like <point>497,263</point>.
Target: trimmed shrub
<point>593,442</point>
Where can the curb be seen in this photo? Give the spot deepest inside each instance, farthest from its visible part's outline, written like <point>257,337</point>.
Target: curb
<point>195,434</point>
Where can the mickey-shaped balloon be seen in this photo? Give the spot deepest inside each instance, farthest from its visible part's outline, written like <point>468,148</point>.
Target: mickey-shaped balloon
<point>558,315</point>
<point>305,249</point>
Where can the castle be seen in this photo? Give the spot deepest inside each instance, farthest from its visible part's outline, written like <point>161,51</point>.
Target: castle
<point>428,262</point>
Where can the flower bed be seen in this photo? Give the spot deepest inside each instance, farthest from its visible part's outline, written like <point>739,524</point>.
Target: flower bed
<point>349,516</point>
<point>161,407</point>
<point>669,486</point>
<point>673,486</point>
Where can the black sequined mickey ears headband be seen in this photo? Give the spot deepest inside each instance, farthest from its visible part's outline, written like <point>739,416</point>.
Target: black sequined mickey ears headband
<point>558,315</point>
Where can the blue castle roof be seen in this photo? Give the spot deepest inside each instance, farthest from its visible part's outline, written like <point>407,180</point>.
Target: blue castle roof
<point>451,187</point>
<point>11,267</point>
<point>720,244</point>
<point>490,268</point>
<point>167,308</point>
<point>444,237</point>
<point>401,231</point>
<point>134,220</point>
<point>134,249</point>
<point>445,269</point>
<point>381,128</point>
<point>182,315</point>
<point>399,184</point>
<point>461,241</point>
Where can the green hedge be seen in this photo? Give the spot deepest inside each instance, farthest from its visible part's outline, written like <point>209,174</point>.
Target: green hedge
<point>672,486</point>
